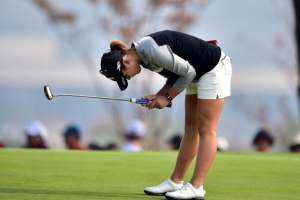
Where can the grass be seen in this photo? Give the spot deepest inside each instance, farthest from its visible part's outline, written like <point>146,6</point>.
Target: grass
<point>52,174</point>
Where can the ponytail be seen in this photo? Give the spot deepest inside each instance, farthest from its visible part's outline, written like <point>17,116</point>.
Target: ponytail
<point>118,45</point>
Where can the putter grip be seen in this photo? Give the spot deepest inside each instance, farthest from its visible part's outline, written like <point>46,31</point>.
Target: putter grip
<point>145,101</point>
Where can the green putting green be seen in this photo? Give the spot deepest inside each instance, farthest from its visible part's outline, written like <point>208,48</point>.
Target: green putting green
<point>62,174</point>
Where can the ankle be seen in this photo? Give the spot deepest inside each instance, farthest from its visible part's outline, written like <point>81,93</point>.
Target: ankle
<point>197,185</point>
<point>177,181</point>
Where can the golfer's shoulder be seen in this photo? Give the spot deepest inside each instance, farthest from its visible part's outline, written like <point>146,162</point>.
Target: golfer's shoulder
<point>146,48</point>
<point>146,45</point>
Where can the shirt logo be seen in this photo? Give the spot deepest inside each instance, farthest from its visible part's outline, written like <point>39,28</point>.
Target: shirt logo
<point>123,81</point>
<point>119,66</point>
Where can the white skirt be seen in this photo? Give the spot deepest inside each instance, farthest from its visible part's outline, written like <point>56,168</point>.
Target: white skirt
<point>216,83</point>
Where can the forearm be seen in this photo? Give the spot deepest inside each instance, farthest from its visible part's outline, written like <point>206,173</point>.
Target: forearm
<point>164,90</point>
<point>167,89</point>
<point>172,92</point>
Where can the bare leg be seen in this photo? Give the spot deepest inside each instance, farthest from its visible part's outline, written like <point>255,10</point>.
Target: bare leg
<point>189,144</point>
<point>208,115</point>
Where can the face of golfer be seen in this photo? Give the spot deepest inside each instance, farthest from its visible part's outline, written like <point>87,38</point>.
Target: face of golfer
<point>131,63</point>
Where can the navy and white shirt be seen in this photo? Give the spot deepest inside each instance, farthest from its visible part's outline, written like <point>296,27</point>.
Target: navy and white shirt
<point>179,57</point>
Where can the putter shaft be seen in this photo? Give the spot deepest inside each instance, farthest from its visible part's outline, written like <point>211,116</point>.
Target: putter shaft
<point>95,97</point>
<point>49,96</point>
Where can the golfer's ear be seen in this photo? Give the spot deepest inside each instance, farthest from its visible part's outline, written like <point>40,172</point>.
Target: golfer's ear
<point>125,61</point>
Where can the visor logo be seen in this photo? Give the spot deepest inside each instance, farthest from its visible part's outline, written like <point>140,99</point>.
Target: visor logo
<point>119,66</point>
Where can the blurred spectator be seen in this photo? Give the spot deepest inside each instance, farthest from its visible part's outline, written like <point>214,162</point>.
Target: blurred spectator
<point>72,138</point>
<point>134,134</point>
<point>222,144</point>
<point>263,141</point>
<point>36,134</point>
<point>94,146</point>
<point>1,145</point>
<point>110,146</point>
<point>174,142</point>
<point>295,144</point>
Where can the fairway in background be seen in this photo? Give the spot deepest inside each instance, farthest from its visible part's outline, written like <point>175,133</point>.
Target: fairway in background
<point>52,174</point>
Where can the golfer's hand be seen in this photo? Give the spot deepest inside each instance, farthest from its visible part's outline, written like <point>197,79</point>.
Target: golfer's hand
<point>156,101</point>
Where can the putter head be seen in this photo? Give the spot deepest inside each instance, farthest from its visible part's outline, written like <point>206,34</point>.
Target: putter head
<point>47,92</point>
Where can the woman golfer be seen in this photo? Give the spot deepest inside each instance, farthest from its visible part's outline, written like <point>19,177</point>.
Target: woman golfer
<point>188,63</point>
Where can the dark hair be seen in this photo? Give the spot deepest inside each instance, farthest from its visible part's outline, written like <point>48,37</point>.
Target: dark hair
<point>263,134</point>
<point>72,130</point>
<point>294,147</point>
<point>94,146</point>
<point>118,45</point>
<point>176,141</point>
<point>132,136</point>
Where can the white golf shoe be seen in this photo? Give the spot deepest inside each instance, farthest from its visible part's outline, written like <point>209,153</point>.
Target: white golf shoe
<point>166,186</point>
<point>187,192</point>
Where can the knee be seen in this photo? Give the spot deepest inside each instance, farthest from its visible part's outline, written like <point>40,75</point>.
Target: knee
<point>207,130</point>
<point>190,126</point>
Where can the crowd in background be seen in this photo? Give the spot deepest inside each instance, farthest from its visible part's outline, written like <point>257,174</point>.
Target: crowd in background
<point>36,137</point>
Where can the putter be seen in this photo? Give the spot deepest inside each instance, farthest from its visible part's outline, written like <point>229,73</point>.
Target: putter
<point>50,96</point>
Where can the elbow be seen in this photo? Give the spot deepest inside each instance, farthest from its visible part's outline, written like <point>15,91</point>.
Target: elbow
<point>192,72</point>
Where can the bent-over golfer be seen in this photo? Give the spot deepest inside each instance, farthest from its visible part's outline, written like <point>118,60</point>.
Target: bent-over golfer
<point>188,63</point>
